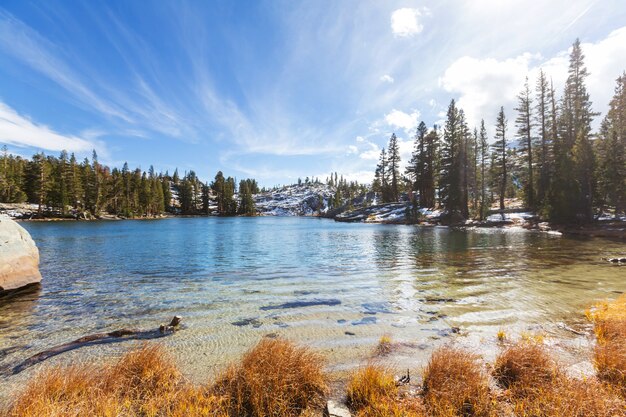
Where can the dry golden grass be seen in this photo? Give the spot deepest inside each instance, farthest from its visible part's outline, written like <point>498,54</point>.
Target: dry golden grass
<point>393,407</point>
<point>571,398</point>
<point>524,368</point>
<point>370,385</point>
<point>501,335</point>
<point>536,388</point>
<point>607,317</point>
<point>455,385</point>
<point>609,320</point>
<point>384,346</point>
<point>276,378</point>
<point>143,383</point>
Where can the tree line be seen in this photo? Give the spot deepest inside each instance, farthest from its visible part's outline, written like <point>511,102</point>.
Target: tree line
<point>552,160</point>
<point>66,187</point>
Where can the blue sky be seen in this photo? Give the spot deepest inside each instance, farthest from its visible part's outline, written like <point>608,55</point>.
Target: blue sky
<point>278,90</point>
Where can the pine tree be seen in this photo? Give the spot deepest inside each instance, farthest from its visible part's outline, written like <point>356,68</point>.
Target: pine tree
<point>246,202</point>
<point>524,124</point>
<point>97,189</point>
<point>473,164</point>
<point>611,151</point>
<point>500,153</point>
<point>39,179</point>
<point>484,167</point>
<point>416,170</point>
<point>394,167</point>
<point>381,177</point>
<point>452,162</point>
<point>464,156</point>
<point>431,168</point>
<point>64,182</point>
<point>571,196</point>
<point>542,120</point>
<point>76,183</point>
<point>185,195</point>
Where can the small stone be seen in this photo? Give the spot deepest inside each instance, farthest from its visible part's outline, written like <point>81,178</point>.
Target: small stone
<point>334,409</point>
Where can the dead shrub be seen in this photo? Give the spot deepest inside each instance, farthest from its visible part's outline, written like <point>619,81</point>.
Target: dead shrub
<point>370,385</point>
<point>524,368</point>
<point>276,378</point>
<point>455,385</point>
<point>609,320</point>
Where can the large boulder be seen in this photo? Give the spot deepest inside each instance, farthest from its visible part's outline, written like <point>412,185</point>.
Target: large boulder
<point>19,256</point>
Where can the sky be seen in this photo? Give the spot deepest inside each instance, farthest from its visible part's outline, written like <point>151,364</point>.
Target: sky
<point>278,90</point>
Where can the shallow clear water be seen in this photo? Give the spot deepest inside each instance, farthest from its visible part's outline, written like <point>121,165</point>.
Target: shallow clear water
<point>235,280</point>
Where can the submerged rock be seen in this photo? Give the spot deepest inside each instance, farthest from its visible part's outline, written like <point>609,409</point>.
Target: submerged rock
<point>302,303</point>
<point>19,256</point>
<point>365,320</point>
<point>253,321</point>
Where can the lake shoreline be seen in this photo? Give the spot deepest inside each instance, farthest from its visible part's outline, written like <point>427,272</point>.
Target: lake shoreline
<point>614,229</point>
<point>571,356</point>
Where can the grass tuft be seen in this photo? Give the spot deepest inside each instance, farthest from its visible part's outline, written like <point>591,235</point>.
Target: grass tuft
<point>454,384</point>
<point>609,320</point>
<point>384,346</point>
<point>389,407</point>
<point>570,397</point>
<point>501,335</point>
<point>523,368</point>
<point>369,386</point>
<point>276,378</point>
<point>142,383</point>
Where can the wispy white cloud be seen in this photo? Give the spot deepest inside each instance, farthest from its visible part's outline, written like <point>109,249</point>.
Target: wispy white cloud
<point>21,131</point>
<point>28,46</point>
<point>138,106</point>
<point>387,79</point>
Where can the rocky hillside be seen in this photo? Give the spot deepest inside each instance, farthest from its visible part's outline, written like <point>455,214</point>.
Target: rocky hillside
<point>295,200</point>
<point>386,213</point>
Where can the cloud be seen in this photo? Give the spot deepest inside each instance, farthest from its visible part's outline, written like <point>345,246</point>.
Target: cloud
<point>405,22</point>
<point>28,46</point>
<point>137,104</point>
<point>387,79</point>
<point>362,177</point>
<point>483,85</point>
<point>370,155</point>
<point>400,119</point>
<point>18,130</point>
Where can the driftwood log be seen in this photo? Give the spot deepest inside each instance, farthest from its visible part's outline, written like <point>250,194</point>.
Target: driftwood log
<point>616,260</point>
<point>99,339</point>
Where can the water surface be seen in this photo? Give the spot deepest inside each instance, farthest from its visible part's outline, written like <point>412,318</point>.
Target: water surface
<point>335,286</point>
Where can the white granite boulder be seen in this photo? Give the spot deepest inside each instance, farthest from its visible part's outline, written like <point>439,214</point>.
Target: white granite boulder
<point>19,256</point>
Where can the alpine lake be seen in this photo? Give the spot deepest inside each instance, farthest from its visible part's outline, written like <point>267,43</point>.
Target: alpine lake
<point>337,287</point>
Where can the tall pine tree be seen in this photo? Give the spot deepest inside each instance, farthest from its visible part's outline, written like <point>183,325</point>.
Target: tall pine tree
<point>500,156</point>
<point>524,124</point>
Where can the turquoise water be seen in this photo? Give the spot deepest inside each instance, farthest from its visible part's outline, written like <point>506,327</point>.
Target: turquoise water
<point>335,286</point>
